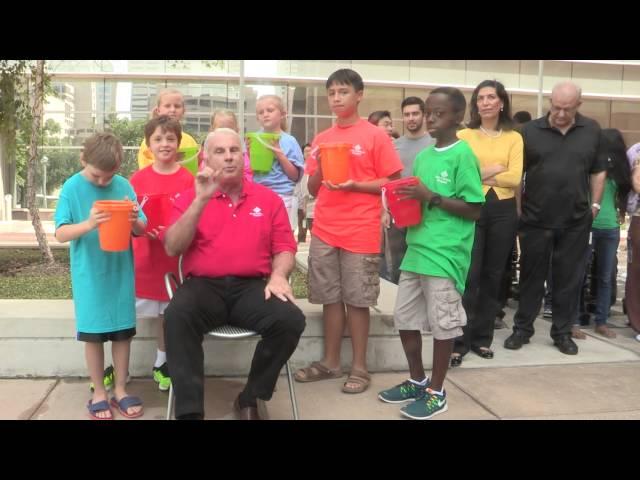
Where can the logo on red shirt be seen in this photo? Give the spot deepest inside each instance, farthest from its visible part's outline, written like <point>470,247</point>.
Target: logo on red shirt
<point>256,212</point>
<point>357,150</point>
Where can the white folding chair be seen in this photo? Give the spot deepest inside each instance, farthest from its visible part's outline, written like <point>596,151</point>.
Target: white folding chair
<point>226,332</point>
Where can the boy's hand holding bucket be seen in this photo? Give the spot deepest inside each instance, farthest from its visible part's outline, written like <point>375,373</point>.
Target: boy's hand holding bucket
<point>348,185</point>
<point>402,198</point>
<point>415,192</point>
<point>96,217</point>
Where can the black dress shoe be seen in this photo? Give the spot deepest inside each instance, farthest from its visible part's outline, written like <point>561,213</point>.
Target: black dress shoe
<point>515,341</point>
<point>245,413</point>
<point>483,353</point>
<point>566,345</point>
<point>456,360</point>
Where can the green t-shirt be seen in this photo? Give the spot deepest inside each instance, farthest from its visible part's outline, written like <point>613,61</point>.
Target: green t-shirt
<point>607,218</point>
<point>441,244</point>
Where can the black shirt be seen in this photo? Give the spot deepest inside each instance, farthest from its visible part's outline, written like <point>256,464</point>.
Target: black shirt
<point>557,168</point>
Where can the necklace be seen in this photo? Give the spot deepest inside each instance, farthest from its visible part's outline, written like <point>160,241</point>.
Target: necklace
<point>496,135</point>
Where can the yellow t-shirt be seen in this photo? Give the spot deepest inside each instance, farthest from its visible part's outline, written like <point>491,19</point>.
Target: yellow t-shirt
<point>145,157</point>
<point>506,149</point>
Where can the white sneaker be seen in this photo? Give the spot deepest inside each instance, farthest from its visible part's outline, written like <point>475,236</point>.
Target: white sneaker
<point>638,337</point>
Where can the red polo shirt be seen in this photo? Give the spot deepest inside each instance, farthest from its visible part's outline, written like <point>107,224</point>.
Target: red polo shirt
<point>236,240</point>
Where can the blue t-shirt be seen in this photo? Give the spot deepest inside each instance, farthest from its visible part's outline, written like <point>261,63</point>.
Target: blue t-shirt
<point>276,179</point>
<point>102,282</point>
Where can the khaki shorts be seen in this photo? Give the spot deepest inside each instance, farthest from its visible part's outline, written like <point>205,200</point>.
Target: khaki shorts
<point>336,275</point>
<point>429,303</point>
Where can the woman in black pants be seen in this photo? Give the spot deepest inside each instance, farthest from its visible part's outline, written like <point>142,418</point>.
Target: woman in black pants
<point>499,149</point>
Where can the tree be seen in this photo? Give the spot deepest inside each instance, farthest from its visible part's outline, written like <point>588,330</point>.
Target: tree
<point>37,101</point>
<point>14,116</point>
<point>21,119</point>
<point>130,133</point>
<point>62,162</point>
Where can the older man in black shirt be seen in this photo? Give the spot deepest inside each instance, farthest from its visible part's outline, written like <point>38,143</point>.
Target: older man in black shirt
<point>564,164</point>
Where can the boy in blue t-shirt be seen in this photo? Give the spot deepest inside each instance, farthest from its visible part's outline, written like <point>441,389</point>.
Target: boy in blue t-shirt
<point>102,282</point>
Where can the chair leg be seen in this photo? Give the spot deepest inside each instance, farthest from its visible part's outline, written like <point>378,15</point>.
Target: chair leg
<point>170,402</point>
<point>292,392</point>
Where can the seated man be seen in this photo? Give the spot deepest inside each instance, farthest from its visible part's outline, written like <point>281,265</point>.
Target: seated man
<point>238,253</point>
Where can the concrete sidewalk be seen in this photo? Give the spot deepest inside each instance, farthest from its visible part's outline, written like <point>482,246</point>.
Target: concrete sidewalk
<point>536,382</point>
<point>19,233</point>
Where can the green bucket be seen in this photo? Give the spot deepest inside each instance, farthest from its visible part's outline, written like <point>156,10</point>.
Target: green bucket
<point>261,154</point>
<point>188,158</point>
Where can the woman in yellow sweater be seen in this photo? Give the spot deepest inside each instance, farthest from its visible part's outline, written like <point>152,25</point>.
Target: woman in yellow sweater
<point>499,149</point>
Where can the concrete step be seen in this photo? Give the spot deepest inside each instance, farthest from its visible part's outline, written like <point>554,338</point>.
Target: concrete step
<point>37,339</point>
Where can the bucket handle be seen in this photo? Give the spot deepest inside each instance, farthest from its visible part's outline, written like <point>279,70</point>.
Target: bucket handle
<point>270,147</point>
<point>384,203</point>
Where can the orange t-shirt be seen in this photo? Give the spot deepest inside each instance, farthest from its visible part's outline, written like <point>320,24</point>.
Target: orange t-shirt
<point>351,220</point>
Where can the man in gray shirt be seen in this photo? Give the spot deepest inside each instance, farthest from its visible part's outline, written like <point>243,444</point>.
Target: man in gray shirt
<point>408,146</point>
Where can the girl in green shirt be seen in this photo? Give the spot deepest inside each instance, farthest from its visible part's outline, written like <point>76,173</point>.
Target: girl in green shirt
<point>606,225</point>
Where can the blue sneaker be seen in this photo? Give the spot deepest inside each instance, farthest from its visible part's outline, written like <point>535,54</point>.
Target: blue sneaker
<point>426,407</point>
<point>404,392</point>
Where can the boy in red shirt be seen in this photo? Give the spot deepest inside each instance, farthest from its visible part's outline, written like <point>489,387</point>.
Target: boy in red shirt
<point>345,241</point>
<point>155,186</point>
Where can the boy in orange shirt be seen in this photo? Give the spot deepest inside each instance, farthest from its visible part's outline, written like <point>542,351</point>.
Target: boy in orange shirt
<point>345,238</point>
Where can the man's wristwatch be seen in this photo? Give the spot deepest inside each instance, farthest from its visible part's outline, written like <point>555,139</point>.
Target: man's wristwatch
<point>435,201</point>
<point>596,206</point>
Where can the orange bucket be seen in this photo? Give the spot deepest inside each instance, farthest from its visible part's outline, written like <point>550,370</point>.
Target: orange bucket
<point>115,234</point>
<point>335,159</point>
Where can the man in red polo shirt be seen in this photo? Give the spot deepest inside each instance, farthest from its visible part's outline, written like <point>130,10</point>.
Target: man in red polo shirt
<point>238,252</point>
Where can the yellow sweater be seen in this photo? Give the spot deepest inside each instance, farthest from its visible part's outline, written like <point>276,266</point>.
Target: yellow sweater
<point>506,149</point>
<point>145,157</point>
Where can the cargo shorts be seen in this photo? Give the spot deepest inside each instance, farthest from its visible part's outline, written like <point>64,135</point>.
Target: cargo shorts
<point>336,275</point>
<point>429,303</point>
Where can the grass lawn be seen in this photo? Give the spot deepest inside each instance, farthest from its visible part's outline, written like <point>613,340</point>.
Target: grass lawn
<point>23,275</point>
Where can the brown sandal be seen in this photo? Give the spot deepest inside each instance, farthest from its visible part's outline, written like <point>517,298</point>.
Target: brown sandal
<point>316,371</point>
<point>360,378</point>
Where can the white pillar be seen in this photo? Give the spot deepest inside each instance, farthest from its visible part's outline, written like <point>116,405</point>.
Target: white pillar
<point>540,84</point>
<point>8,213</point>
<point>241,99</point>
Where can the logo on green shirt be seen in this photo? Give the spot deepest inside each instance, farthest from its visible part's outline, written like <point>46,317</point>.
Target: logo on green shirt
<point>443,177</point>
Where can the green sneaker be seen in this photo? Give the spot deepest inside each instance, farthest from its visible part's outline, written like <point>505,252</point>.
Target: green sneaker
<point>108,379</point>
<point>161,376</point>
<point>404,392</point>
<point>426,407</point>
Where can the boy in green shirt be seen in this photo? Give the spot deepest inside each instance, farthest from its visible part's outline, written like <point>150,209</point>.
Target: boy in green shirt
<point>434,269</point>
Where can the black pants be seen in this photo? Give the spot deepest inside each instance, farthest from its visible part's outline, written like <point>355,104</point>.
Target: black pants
<point>492,245</point>
<point>202,304</point>
<point>567,248</point>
